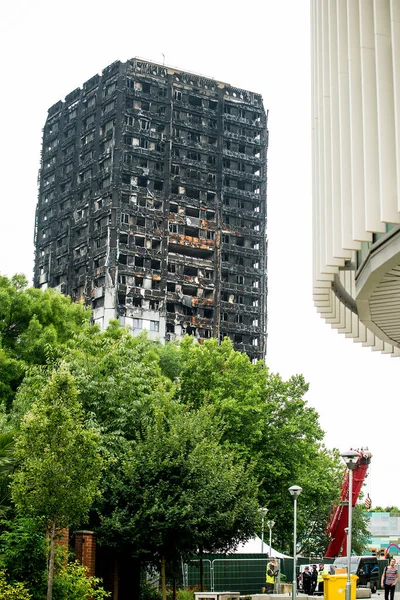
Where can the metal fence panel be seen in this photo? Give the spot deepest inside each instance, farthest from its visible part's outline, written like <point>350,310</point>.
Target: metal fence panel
<point>193,573</point>
<point>243,574</point>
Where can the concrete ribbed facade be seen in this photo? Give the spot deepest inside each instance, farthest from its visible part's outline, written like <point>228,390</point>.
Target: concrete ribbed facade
<point>356,168</point>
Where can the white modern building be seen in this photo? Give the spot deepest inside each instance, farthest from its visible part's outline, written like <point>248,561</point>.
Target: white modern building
<point>384,528</point>
<point>356,168</point>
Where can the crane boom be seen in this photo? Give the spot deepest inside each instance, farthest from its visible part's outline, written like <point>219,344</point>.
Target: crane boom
<point>338,520</point>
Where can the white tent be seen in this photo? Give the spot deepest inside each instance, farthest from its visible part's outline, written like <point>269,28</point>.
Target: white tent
<point>255,546</point>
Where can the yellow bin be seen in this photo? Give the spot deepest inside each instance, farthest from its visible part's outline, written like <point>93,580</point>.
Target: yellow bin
<point>335,586</point>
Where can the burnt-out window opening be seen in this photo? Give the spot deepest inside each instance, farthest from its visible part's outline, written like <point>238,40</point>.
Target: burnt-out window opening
<point>192,212</point>
<point>192,193</point>
<point>142,181</point>
<point>139,261</point>
<point>195,101</point>
<point>192,231</point>
<point>191,271</point>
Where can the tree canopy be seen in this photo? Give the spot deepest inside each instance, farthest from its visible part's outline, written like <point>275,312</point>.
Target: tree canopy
<point>58,460</point>
<point>32,324</point>
<point>267,421</point>
<point>194,437</point>
<point>178,489</point>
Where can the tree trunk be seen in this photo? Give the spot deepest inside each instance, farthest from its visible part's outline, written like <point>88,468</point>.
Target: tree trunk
<point>174,589</point>
<point>115,579</point>
<point>201,570</point>
<point>51,562</point>
<point>163,586</point>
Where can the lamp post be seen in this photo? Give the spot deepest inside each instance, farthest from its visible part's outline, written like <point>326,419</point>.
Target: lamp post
<point>295,491</point>
<point>350,458</point>
<point>263,514</point>
<point>270,525</point>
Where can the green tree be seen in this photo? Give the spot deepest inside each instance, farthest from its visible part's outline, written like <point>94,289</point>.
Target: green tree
<point>23,553</point>
<point>267,421</point>
<point>267,426</point>
<point>33,323</point>
<point>119,380</point>
<point>360,530</point>
<point>6,465</point>
<point>118,377</point>
<point>178,490</point>
<point>58,460</point>
<point>393,510</point>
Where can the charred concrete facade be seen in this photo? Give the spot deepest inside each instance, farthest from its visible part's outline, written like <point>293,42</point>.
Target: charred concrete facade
<point>152,204</point>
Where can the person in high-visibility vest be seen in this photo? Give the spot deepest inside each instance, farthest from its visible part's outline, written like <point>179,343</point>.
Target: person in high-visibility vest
<point>320,579</point>
<point>270,577</point>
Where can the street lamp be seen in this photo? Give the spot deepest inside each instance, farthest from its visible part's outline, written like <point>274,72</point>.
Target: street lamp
<point>295,491</point>
<point>350,458</point>
<point>270,525</point>
<point>263,512</point>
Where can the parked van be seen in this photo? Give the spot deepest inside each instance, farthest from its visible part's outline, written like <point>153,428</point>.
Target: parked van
<point>365,567</point>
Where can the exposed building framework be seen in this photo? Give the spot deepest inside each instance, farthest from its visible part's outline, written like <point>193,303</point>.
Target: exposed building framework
<point>152,204</point>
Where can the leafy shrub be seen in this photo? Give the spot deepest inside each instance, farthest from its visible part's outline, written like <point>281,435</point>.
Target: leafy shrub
<point>23,551</point>
<point>186,594</point>
<point>72,583</point>
<point>149,592</point>
<point>12,591</point>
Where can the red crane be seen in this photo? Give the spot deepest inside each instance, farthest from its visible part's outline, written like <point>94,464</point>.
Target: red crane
<point>338,519</point>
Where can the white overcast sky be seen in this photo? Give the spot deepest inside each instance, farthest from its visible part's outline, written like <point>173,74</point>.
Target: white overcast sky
<point>48,48</point>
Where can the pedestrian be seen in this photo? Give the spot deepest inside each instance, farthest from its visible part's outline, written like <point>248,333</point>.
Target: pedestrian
<point>390,577</point>
<point>320,579</point>
<point>271,575</point>
<point>307,580</point>
<point>314,579</point>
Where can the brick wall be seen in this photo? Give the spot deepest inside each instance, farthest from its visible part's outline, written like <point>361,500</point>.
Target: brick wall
<point>85,550</point>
